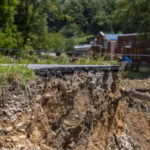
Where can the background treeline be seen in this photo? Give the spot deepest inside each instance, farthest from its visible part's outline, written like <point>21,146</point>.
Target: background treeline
<point>57,25</point>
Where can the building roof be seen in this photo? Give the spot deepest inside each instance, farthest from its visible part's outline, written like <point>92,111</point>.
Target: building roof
<point>82,47</point>
<point>112,37</point>
<point>129,34</point>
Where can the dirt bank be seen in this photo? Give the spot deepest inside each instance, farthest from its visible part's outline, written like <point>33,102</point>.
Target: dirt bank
<point>84,111</point>
<point>137,83</point>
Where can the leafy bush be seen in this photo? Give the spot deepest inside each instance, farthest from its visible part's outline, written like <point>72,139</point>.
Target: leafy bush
<point>10,38</point>
<point>69,45</point>
<point>56,42</point>
<point>83,39</point>
<point>71,30</point>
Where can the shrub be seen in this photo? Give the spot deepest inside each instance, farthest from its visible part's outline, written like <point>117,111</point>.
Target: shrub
<point>10,38</point>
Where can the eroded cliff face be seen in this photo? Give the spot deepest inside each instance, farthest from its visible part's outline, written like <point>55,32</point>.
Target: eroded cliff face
<point>83,111</point>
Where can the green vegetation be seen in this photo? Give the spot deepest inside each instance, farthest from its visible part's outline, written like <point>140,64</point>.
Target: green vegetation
<point>87,16</point>
<point>24,58</point>
<point>15,71</point>
<point>57,25</point>
<point>15,74</point>
<point>134,75</point>
<point>90,60</point>
<point>10,37</point>
<point>83,39</point>
<point>133,16</point>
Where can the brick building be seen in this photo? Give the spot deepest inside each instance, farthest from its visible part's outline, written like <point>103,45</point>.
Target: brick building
<point>105,43</point>
<point>125,44</point>
<point>130,44</point>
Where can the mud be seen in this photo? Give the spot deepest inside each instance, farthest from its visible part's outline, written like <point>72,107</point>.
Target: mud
<point>83,111</point>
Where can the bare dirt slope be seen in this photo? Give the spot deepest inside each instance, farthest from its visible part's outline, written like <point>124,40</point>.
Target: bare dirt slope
<point>137,83</point>
<point>76,112</point>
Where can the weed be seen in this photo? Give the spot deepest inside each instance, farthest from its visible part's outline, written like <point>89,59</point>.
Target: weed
<point>33,58</point>
<point>122,82</point>
<point>15,74</point>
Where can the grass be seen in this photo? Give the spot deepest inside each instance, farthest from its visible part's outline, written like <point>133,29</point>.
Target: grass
<point>135,75</point>
<point>21,74</point>
<point>63,59</point>
<point>15,74</point>
<point>26,59</point>
<point>89,60</point>
<point>145,69</point>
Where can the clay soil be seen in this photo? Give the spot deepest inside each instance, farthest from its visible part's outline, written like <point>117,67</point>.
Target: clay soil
<point>137,83</point>
<point>73,113</point>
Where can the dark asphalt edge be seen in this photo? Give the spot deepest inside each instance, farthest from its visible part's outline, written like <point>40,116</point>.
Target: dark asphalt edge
<point>60,71</point>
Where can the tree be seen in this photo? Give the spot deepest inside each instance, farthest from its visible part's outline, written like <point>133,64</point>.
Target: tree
<point>7,12</point>
<point>9,35</point>
<point>10,38</point>
<point>90,16</point>
<point>133,15</point>
<point>32,22</point>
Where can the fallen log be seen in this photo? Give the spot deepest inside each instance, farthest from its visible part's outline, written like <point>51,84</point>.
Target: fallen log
<point>139,95</point>
<point>143,90</point>
<point>135,94</point>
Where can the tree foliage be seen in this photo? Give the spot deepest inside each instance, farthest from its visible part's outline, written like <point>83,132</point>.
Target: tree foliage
<point>56,24</point>
<point>7,12</point>
<point>9,35</point>
<point>133,15</point>
<point>10,38</point>
<point>90,16</point>
<point>32,22</point>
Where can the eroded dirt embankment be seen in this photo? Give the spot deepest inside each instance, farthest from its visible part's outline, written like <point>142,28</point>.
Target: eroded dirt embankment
<point>83,111</point>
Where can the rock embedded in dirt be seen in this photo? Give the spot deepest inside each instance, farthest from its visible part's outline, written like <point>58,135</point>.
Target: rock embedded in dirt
<point>20,125</point>
<point>81,111</point>
<point>8,129</point>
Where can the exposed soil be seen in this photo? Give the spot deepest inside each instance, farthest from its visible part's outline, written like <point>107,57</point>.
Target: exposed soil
<point>79,112</point>
<point>137,83</point>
